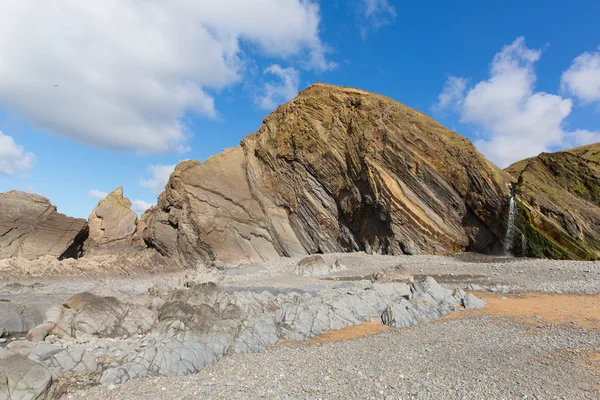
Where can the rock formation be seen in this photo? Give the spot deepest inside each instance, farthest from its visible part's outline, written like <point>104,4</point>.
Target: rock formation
<point>30,227</point>
<point>335,169</point>
<point>113,222</point>
<point>558,195</point>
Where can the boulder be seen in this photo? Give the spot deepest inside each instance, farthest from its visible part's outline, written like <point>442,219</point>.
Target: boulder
<point>30,227</point>
<point>59,360</point>
<point>312,265</point>
<point>393,274</point>
<point>21,378</point>
<point>472,302</point>
<point>334,170</point>
<point>113,222</point>
<point>86,313</point>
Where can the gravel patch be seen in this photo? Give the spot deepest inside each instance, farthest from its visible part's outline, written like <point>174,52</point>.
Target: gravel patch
<point>478,357</point>
<point>486,273</point>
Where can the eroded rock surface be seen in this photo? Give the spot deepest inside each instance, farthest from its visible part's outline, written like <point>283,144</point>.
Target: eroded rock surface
<point>173,332</point>
<point>30,227</point>
<point>558,204</point>
<point>113,222</point>
<point>21,378</point>
<point>334,170</point>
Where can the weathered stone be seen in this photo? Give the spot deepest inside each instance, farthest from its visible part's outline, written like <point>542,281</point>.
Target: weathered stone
<point>30,227</point>
<point>23,379</point>
<point>59,360</point>
<point>338,266</point>
<point>85,313</point>
<point>21,347</point>
<point>113,222</point>
<point>198,326</point>
<point>312,265</point>
<point>22,314</point>
<point>472,302</point>
<point>37,334</point>
<point>334,170</point>
<point>558,205</point>
<point>394,274</point>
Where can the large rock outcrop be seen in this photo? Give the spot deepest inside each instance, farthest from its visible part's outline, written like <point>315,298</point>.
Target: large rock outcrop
<point>336,169</point>
<point>558,195</point>
<point>30,227</point>
<point>113,223</point>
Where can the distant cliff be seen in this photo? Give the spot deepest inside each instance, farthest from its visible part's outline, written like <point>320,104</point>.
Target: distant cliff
<point>559,200</point>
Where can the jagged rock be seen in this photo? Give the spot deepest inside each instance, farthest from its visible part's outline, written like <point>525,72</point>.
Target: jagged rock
<point>22,315</point>
<point>130,261</point>
<point>394,274</point>
<point>30,227</point>
<point>558,204</point>
<point>334,170</point>
<point>312,265</point>
<point>37,334</point>
<point>21,378</point>
<point>338,266</point>
<point>472,302</point>
<point>59,360</point>
<point>21,347</point>
<point>198,326</point>
<point>113,222</point>
<point>85,313</point>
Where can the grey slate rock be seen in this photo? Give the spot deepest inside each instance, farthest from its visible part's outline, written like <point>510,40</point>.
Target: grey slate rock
<point>472,302</point>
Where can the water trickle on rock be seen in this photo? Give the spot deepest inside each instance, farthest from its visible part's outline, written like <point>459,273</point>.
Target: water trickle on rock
<point>510,228</point>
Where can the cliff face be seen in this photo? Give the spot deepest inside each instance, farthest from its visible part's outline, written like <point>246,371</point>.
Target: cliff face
<point>335,169</point>
<point>559,199</point>
<point>30,227</point>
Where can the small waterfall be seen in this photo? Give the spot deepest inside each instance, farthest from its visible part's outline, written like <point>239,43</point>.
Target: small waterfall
<point>510,229</point>
<point>523,245</point>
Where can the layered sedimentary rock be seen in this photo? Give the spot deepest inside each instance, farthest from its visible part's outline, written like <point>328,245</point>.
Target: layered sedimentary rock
<point>335,169</point>
<point>558,195</point>
<point>113,222</point>
<point>30,227</point>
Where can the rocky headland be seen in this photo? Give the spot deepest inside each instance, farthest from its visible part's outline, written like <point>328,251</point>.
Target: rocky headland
<point>345,208</point>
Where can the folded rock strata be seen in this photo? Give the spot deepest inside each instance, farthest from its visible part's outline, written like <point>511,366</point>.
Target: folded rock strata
<point>334,170</point>
<point>558,199</point>
<point>30,227</point>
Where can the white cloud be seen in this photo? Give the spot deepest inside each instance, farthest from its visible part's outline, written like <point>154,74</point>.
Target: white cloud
<point>374,14</point>
<point>582,79</point>
<point>13,157</point>
<point>581,137</point>
<point>515,121</point>
<point>122,74</point>
<point>284,90</point>
<point>160,177</point>
<point>452,95</point>
<point>139,206</point>
<point>97,194</point>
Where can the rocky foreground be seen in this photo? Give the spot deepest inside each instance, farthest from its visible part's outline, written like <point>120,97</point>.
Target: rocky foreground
<point>130,330</point>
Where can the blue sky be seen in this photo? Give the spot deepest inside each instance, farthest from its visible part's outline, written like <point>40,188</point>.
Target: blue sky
<point>94,95</point>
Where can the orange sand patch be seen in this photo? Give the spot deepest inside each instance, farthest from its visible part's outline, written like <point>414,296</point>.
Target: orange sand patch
<point>349,333</point>
<point>551,308</point>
